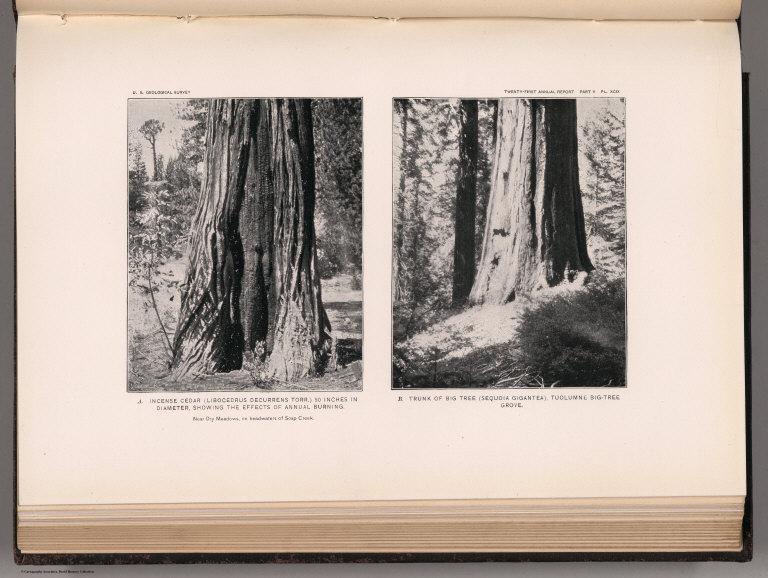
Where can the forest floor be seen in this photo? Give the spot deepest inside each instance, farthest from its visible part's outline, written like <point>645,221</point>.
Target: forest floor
<point>474,347</point>
<point>148,360</point>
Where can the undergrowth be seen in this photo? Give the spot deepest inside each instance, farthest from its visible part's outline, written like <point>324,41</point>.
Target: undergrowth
<point>577,339</point>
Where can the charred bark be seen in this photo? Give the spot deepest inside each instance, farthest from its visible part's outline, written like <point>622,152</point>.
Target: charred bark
<point>534,233</point>
<point>256,225</point>
<point>466,193</point>
<point>301,344</point>
<point>252,283</point>
<point>209,336</point>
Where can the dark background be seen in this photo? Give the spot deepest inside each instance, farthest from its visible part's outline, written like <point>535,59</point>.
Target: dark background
<point>755,50</point>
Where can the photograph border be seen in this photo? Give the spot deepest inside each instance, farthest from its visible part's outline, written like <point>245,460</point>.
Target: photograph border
<point>626,251</point>
<point>128,240</point>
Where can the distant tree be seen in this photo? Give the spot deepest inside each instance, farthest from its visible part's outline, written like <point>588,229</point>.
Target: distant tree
<point>175,174</point>
<point>426,162</point>
<point>149,130</point>
<point>603,138</point>
<point>182,171</point>
<point>192,146</point>
<point>487,115</point>
<point>401,106</point>
<point>160,164</point>
<point>534,232</point>
<point>137,179</point>
<point>337,126</point>
<point>466,195</point>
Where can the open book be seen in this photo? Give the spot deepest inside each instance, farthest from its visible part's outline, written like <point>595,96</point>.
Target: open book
<point>379,278</point>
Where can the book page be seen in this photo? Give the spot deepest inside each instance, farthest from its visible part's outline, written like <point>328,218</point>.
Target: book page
<point>175,346</point>
<point>560,9</point>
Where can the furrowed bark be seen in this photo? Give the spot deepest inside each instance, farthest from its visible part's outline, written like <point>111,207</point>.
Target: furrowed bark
<point>301,342</point>
<point>534,234</point>
<point>252,283</point>
<point>257,299</point>
<point>209,336</point>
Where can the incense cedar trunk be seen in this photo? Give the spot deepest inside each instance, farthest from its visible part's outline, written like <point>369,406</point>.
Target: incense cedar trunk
<point>252,283</point>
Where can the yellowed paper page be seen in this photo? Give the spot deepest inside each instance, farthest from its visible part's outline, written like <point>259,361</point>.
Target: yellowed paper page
<point>561,9</point>
<point>677,429</point>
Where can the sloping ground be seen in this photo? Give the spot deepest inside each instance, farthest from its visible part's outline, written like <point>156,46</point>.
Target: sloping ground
<point>473,328</point>
<point>476,327</point>
<point>473,348</point>
<point>344,306</point>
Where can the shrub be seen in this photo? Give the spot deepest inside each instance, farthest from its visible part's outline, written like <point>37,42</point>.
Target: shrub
<point>577,339</point>
<point>327,265</point>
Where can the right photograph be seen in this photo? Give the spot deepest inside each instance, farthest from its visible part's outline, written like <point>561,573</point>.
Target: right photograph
<point>509,243</point>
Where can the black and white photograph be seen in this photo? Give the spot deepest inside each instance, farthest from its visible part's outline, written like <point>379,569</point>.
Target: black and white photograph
<point>245,244</point>
<point>509,249</point>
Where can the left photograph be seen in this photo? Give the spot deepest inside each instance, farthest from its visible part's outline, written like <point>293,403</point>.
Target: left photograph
<point>245,244</point>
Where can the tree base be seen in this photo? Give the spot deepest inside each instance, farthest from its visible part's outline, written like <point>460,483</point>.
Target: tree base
<point>294,354</point>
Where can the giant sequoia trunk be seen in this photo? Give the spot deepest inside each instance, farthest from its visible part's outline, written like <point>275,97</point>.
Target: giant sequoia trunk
<point>466,193</point>
<point>534,231</point>
<point>252,283</point>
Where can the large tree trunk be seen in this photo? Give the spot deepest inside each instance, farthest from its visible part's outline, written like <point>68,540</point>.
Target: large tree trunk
<point>466,193</point>
<point>258,296</point>
<point>534,232</point>
<point>209,336</point>
<point>252,283</point>
<point>301,343</point>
